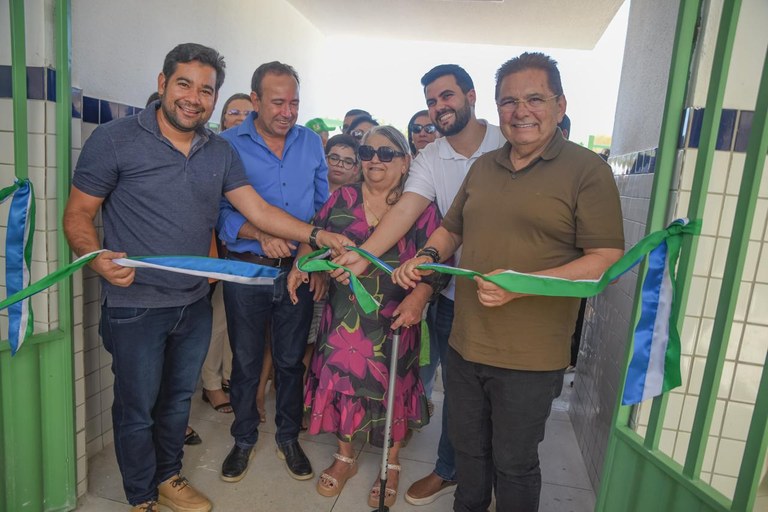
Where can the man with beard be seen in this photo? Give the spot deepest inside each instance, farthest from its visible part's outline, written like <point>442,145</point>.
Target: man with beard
<point>158,178</point>
<point>285,163</point>
<point>541,205</point>
<point>436,175</point>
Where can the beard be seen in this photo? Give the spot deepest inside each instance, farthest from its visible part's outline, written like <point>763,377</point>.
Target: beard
<point>170,114</point>
<point>462,119</point>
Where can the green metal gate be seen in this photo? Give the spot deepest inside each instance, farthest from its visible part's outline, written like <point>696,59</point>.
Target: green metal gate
<point>38,463</point>
<point>637,475</point>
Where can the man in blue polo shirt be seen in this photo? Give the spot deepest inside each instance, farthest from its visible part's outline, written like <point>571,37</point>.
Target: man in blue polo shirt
<point>285,163</point>
<point>157,178</point>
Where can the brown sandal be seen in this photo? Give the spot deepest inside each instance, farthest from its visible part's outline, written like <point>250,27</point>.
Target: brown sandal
<point>390,493</point>
<point>328,485</point>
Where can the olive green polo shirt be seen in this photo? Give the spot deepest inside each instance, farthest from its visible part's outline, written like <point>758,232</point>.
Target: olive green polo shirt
<point>539,217</point>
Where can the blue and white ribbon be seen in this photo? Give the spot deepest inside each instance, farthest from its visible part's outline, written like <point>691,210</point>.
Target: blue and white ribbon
<point>18,257</point>
<point>655,365</point>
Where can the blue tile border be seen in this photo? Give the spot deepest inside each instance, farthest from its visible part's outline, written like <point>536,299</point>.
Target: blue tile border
<point>90,110</point>
<point>41,85</point>
<point>639,162</point>
<point>733,129</point>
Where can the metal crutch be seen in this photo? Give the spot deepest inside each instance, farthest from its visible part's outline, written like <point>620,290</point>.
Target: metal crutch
<point>388,420</point>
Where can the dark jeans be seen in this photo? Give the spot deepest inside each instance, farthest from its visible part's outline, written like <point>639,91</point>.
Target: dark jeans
<point>440,319</point>
<point>497,424</point>
<point>157,354</point>
<point>248,308</point>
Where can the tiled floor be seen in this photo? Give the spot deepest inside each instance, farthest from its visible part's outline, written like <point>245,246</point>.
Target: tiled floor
<point>267,486</point>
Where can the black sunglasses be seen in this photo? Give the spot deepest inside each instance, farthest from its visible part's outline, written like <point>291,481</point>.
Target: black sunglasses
<point>428,128</point>
<point>385,153</point>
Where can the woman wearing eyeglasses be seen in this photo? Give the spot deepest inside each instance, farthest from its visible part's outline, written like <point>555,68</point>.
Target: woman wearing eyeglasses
<point>235,110</point>
<point>348,376</point>
<point>421,131</point>
<point>360,126</point>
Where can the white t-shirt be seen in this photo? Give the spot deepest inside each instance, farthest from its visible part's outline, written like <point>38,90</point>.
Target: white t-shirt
<point>438,172</point>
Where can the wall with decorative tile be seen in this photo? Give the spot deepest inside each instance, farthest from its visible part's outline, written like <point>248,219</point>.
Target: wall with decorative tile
<point>640,104</point>
<point>596,379</point>
<point>104,89</point>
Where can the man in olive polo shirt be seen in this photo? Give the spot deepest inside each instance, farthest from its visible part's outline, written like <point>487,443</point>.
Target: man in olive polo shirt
<point>540,204</point>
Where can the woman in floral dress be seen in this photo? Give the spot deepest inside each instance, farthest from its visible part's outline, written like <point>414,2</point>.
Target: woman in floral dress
<point>349,373</point>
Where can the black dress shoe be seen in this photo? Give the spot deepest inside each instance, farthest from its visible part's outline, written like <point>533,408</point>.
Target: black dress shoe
<point>236,464</point>
<point>296,461</point>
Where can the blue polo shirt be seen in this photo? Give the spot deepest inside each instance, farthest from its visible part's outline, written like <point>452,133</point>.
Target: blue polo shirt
<point>296,183</point>
<point>157,202</point>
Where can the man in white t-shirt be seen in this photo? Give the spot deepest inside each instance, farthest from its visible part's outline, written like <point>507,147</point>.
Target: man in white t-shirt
<point>436,175</point>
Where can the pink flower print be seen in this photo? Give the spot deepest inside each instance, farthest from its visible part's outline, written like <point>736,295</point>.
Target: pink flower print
<point>333,382</point>
<point>351,351</point>
<point>351,416</point>
<point>349,194</point>
<point>380,372</point>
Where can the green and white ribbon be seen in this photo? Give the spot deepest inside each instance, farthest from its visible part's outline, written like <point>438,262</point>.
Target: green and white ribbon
<point>655,365</point>
<point>518,282</point>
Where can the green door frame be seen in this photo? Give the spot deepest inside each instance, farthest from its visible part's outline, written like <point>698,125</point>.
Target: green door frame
<point>37,429</point>
<point>637,476</point>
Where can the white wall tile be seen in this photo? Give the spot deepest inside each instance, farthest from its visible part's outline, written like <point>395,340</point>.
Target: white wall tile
<point>50,117</point>
<point>709,456</point>
<point>764,182</point>
<point>688,334</point>
<point>734,341</point>
<point>725,484</point>
<point>754,344</point>
<point>735,172</point>
<point>711,217</point>
<point>667,441</point>
<point>6,148</point>
<point>36,150</point>
<point>689,166</point>
<point>745,382</point>
<point>728,460</point>
<point>726,380</point>
<point>721,161</point>
<point>689,410</point>
<point>704,251</point>
<point>681,447</point>
<point>36,116</point>
<point>697,373</point>
<point>727,215</point>
<point>758,307</point>
<point>713,297</point>
<point>674,410</point>
<point>697,292</point>
<point>6,114</point>
<point>50,150</point>
<point>761,275</point>
<point>737,419</point>
<point>705,335</point>
<point>759,220</point>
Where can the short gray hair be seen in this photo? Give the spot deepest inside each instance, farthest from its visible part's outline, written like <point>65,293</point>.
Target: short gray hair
<point>397,138</point>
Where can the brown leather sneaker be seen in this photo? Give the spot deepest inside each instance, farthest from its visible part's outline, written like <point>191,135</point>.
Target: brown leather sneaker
<point>177,494</point>
<point>428,489</point>
<point>147,506</point>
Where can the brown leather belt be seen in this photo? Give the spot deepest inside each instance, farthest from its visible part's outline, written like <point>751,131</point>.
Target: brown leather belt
<point>261,260</point>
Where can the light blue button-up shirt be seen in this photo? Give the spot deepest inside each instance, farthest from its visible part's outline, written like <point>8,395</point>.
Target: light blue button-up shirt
<point>297,183</point>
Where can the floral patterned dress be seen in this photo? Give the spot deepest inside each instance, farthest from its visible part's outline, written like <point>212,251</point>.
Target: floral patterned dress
<point>349,374</point>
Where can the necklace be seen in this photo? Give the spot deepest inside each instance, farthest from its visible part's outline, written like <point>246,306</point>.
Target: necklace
<point>377,218</point>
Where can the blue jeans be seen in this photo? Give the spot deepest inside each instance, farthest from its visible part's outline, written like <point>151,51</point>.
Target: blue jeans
<point>157,354</point>
<point>496,431</point>
<point>440,319</point>
<point>249,309</point>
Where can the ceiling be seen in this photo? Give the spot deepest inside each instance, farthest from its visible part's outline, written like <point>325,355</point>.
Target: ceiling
<point>576,24</point>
